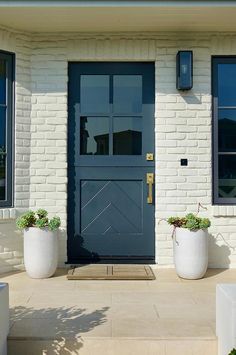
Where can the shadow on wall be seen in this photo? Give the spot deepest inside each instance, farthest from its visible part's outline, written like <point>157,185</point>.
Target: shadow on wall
<point>11,247</point>
<point>61,328</point>
<point>62,245</point>
<point>191,99</point>
<point>218,254</point>
<point>86,255</point>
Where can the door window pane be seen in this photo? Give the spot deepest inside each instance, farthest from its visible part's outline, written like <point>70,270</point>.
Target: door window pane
<point>127,94</point>
<point>94,94</point>
<point>2,82</point>
<point>227,84</point>
<point>227,176</point>
<point>94,135</point>
<point>227,130</point>
<point>127,136</point>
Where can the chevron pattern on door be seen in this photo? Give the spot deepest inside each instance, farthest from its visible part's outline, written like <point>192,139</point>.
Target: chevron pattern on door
<point>111,207</point>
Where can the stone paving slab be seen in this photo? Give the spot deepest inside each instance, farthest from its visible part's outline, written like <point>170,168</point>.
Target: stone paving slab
<point>114,317</point>
<point>112,347</point>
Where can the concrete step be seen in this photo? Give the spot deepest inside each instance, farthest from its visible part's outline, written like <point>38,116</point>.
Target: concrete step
<point>111,346</point>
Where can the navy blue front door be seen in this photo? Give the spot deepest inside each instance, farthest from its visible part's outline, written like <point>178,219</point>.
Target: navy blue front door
<point>110,133</point>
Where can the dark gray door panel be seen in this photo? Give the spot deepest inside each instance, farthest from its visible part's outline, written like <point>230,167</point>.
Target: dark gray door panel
<point>111,129</point>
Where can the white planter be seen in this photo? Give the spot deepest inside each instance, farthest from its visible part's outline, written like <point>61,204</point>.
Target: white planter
<point>191,253</point>
<point>40,252</point>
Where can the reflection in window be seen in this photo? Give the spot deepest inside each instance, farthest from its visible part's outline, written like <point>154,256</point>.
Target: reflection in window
<point>224,91</point>
<point>2,176</point>
<point>94,94</point>
<point>127,94</point>
<point>127,136</point>
<point>2,126</point>
<point>6,96</point>
<point>2,81</point>
<point>227,130</point>
<point>227,84</point>
<point>2,153</point>
<point>227,176</point>
<point>94,135</point>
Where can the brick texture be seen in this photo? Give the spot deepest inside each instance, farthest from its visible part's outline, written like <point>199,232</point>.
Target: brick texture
<point>182,130</point>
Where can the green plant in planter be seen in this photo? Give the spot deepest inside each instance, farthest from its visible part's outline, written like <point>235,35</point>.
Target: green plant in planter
<point>27,220</point>
<point>190,221</point>
<point>38,219</point>
<point>54,223</point>
<point>233,352</point>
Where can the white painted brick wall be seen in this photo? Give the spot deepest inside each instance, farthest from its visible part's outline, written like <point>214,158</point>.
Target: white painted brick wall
<point>182,129</point>
<point>11,243</point>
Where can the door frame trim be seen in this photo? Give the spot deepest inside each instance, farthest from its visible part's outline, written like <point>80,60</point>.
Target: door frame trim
<point>119,260</point>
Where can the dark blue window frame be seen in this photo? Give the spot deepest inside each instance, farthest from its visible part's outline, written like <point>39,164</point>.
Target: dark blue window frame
<point>217,151</point>
<point>9,59</point>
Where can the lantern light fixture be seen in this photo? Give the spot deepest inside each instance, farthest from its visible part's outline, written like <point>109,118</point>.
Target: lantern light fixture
<point>184,70</point>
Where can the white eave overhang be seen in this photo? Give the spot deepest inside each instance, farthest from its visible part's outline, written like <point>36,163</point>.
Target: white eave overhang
<point>118,16</point>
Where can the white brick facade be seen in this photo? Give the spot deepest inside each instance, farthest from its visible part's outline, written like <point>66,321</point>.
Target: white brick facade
<point>182,130</point>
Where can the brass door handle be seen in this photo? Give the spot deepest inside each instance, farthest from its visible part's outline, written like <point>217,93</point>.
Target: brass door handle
<point>150,182</point>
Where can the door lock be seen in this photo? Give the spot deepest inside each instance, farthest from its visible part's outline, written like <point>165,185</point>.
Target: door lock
<point>149,156</point>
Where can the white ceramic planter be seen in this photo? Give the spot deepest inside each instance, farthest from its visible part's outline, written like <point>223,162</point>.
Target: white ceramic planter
<point>40,252</point>
<point>191,253</point>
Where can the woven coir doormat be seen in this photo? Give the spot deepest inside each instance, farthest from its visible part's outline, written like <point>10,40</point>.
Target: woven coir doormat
<point>111,272</point>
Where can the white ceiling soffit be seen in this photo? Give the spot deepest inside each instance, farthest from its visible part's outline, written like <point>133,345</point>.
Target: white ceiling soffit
<point>118,16</point>
<point>117,3</point>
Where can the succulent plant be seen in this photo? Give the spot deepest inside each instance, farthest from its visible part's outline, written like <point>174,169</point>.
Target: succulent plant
<point>41,213</point>
<point>38,219</point>
<point>190,221</point>
<point>27,220</point>
<point>54,223</point>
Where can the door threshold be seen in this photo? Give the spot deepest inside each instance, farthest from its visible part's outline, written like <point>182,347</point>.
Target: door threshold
<point>81,261</point>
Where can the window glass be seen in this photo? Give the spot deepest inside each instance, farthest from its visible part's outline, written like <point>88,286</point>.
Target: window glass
<point>94,135</point>
<point>6,93</point>
<point>227,130</point>
<point>2,176</point>
<point>2,82</point>
<point>2,153</point>
<point>127,94</point>
<point>227,176</point>
<point>127,136</point>
<point>227,84</point>
<point>94,94</point>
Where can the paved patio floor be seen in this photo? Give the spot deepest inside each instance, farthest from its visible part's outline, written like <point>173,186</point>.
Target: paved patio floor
<point>163,317</point>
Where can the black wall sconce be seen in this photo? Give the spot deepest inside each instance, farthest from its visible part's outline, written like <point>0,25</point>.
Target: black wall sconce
<point>184,70</point>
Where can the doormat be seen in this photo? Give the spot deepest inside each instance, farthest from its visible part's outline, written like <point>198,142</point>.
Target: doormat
<point>111,272</point>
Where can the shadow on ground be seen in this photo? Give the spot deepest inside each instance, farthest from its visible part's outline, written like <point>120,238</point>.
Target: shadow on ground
<point>10,273</point>
<point>219,252</point>
<point>51,330</point>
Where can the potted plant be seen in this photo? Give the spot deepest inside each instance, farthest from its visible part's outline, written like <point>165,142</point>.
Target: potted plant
<point>190,239</point>
<point>40,243</point>
<point>233,352</point>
